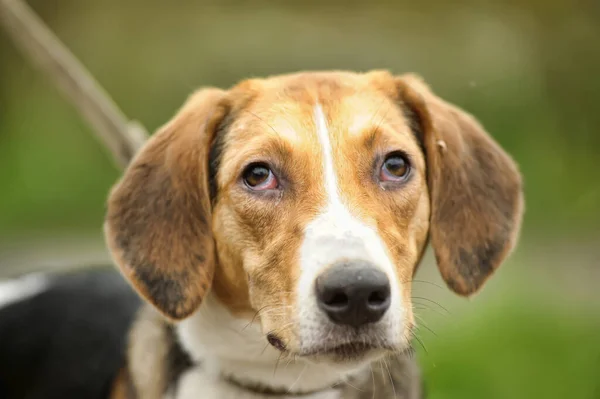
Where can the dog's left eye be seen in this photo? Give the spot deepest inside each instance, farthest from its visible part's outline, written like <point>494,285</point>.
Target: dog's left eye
<point>259,176</point>
<point>395,167</point>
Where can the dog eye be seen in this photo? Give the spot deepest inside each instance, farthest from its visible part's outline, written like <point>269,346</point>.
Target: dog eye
<point>395,167</point>
<point>259,176</point>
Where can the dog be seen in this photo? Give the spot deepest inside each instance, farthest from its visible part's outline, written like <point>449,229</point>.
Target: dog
<point>272,232</point>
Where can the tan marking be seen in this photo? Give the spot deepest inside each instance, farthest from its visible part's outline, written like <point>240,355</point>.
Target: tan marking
<point>120,388</point>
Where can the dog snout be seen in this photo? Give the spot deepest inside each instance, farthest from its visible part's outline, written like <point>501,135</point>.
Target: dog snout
<point>353,293</point>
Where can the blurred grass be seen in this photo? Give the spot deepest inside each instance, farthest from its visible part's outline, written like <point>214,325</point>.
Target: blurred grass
<point>526,69</point>
<point>515,351</point>
<point>526,335</point>
<point>523,68</point>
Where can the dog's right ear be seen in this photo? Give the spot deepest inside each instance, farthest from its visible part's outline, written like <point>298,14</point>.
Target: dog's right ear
<point>158,221</point>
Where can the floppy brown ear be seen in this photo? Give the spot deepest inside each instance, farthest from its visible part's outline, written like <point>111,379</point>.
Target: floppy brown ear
<point>158,221</point>
<point>475,189</point>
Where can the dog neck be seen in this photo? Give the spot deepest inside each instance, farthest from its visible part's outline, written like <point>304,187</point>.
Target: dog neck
<point>235,356</point>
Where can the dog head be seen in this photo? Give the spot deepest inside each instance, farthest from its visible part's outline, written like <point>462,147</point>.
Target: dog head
<point>307,201</point>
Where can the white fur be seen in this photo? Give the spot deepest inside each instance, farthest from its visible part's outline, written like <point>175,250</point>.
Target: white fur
<point>19,289</point>
<point>231,346</point>
<point>337,235</point>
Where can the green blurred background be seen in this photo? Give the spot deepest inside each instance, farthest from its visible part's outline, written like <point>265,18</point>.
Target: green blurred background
<point>527,69</point>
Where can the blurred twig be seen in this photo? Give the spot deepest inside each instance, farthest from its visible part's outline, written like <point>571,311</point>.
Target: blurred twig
<point>122,136</point>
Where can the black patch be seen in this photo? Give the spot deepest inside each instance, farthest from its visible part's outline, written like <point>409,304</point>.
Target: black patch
<point>178,361</point>
<point>475,264</point>
<point>453,284</point>
<point>215,155</point>
<point>416,125</point>
<point>68,341</point>
<point>165,289</point>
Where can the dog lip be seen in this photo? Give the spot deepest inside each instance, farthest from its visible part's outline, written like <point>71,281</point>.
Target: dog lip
<point>348,350</point>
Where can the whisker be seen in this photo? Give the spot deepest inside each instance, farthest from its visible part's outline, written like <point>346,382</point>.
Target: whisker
<point>254,317</point>
<point>422,323</point>
<point>352,386</point>
<point>382,116</point>
<point>265,348</point>
<point>381,368</point>
<point>409,352</point>
<point>428,329</point>
<point>283,327</point>
<point>277,363</point>
<point>292,359</point>
<point>391,379</point>
<point>298,379</point>
<point>267,309</point>
<point>274,312</point>
<point>373,379</point>
<point>428,282</point>
<point>421,343</point>
<point>432,301</point>
<point>423,306</point>
<point>263,121</point>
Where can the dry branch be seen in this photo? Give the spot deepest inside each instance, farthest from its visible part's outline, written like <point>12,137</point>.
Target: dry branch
<point>30,35</point>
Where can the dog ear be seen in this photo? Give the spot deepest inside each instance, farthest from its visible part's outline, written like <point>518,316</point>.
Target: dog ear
<point>475,189</point>
<point>158,220</point>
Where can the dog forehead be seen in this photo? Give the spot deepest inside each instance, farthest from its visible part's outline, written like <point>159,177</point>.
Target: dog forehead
<point>285,106</point>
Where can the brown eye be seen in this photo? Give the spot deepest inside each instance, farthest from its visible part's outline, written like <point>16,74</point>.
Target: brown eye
<point>259,176</point>
<point>395,167</point>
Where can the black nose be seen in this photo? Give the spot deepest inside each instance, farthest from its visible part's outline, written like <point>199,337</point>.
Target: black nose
<point>353,293</point>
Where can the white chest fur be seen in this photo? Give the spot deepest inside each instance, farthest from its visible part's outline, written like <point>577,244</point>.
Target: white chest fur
<point>225,345</point>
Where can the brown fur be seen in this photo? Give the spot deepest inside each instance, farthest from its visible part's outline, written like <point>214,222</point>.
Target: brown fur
<point>163,232</point>
<point>158,224</point>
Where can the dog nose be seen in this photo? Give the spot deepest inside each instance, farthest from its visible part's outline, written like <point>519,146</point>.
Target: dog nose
<point>353,293</point>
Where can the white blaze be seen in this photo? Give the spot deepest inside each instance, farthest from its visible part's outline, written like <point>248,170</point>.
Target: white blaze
<point>337,235</point>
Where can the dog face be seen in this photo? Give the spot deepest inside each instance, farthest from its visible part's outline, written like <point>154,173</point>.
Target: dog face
<point>306,201</point>
<point>320,182</point>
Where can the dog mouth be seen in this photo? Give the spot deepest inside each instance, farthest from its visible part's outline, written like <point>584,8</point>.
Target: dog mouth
<point>350,351</point>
